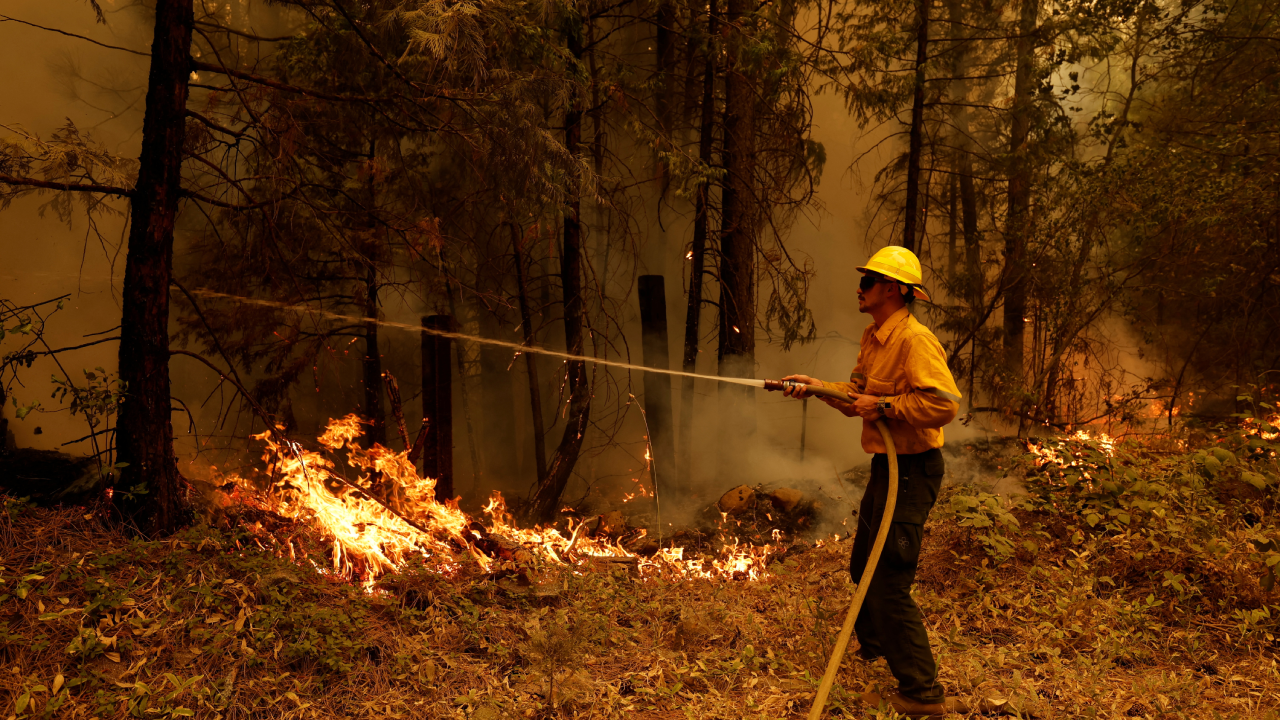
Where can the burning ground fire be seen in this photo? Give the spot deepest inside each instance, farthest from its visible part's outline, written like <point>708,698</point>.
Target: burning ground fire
<point>1069,452</point>
<point>1062,456</point>
<point>386,518</point>
<point>1267,428</point>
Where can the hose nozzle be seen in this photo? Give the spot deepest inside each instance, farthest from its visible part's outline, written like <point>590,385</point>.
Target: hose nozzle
<point>774,385</point>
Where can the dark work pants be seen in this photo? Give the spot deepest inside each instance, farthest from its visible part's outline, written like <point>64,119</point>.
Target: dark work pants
<point>890,623</point>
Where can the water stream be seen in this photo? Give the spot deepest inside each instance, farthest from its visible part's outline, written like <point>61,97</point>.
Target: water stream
<point>517,347</point>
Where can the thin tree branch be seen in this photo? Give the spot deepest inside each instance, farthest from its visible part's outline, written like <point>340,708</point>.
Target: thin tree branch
<point>51,185</point>
<point>75,347</point>
<point>241,33</point>
<point>6,18</point>
<point>213,125</point>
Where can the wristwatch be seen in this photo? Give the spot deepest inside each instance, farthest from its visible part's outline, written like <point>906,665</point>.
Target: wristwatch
<point>884,405</point>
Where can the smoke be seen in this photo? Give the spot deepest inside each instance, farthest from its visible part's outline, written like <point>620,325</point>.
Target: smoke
<point>740,436</point>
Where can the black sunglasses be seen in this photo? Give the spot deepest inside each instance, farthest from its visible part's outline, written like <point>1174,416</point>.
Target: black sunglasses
<point>869,281</point>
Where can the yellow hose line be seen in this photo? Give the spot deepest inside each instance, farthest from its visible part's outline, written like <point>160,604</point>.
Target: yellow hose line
<point>842,642</point>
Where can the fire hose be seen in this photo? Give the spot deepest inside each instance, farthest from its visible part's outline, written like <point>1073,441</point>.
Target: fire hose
<point>860,594</point>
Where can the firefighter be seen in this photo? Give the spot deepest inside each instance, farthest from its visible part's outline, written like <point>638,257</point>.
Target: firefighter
<point>902,378</point>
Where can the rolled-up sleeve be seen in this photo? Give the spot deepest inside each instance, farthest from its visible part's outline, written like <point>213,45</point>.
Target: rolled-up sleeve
<point>932,400</point>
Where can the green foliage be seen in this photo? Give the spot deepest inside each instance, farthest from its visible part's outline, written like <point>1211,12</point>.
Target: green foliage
<point>96,400</point>
<point>990,520</point>
<point>1183,525</point>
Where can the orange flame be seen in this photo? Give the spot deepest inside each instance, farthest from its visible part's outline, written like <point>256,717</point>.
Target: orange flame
<point>388,517</point>
<point>1254,426</point>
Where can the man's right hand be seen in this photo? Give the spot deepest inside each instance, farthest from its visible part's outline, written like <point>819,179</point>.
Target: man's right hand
<point>799,393</point>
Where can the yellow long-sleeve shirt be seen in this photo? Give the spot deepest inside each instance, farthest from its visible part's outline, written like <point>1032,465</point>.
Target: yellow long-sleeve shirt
<point>903,362</point>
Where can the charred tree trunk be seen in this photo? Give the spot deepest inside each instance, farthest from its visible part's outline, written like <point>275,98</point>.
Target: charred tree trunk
<point>372,363</point>
<point>148,492</point>
<point>1018,225</point>
<point>698,253</point>
<point>739,211</point>
<point>437,405</point>
<point>657,386</point>
<point>547,498</point>
<point>531,360</point>
<point>912,226</point>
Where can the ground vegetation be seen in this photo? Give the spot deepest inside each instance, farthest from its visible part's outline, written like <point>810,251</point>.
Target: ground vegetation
<point>1132,580</point>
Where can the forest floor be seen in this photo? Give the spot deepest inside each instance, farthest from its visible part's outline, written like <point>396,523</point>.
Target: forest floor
<point>1132,582</point>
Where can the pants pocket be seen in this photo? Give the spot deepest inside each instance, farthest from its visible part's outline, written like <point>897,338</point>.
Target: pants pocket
<point>902,547</point>
<point>919,481</point>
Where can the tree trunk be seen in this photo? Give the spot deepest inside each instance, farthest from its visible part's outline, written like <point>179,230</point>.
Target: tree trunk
<point>148,493</point>
<point>657,386</point>
<point>547,498</point>
<point>664,89</point>
<point>665,20</point>
<point>1018,226</point>
<point>953,222</point>
<point>372,363</point>
<point>972,241</point>
<point>437,405</point>
<point>697,255</point>
<point>739,213</point>
<point>912,227</point>
<point>530,359</point>
<point>974,292</point>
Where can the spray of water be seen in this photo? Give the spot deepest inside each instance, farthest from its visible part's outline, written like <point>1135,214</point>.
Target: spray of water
<point>517,347</point>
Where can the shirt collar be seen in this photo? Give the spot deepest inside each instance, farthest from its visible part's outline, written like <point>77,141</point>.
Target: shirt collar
<point>883,332</point>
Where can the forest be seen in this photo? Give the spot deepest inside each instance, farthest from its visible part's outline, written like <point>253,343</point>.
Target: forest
<point>404,358</point>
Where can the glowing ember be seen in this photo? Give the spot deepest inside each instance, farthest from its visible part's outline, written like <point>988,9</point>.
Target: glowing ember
<point>386,517</point>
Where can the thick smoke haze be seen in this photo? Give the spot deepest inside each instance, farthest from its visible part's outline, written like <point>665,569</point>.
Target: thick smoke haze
<point>55,79</point>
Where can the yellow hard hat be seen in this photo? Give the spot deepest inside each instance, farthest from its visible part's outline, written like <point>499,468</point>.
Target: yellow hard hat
<point>898,263</point>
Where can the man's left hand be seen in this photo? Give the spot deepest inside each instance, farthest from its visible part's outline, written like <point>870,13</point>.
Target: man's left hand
<point>866,408</point>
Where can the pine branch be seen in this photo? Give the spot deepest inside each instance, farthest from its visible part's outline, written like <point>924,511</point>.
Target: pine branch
<point>50,185</point>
